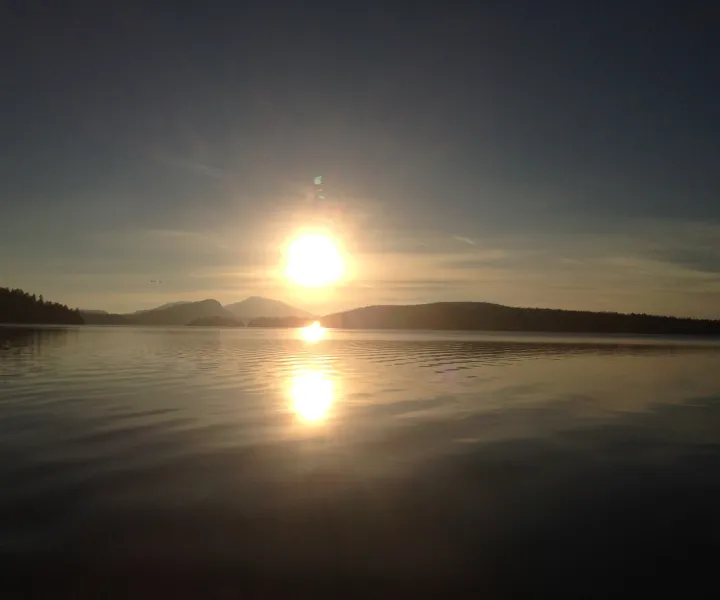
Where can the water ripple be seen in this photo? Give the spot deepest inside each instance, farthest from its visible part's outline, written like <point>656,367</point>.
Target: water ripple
<point>127,420</point>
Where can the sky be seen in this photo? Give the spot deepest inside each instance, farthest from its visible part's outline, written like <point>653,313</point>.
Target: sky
<point>558,154</point>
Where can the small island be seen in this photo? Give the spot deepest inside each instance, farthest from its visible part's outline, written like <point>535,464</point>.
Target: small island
<point>216,321</point>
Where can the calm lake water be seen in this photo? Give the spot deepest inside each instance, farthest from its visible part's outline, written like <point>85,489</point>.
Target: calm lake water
<point>173,462</point>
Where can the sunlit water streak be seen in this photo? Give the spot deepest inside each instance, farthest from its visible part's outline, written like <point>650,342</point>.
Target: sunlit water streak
<point>312,394</point>
<point>402,442</point>
<point>313,333</point>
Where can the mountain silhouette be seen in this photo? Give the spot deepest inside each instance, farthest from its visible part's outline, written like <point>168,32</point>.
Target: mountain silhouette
<point>163,306</point>
<point>101,317</point>
<point>280,322</point>
<point>495,317</point>
<point>216,321</point>
<point>257,307</point>
<point>180,313</point>
<point>204,312</point>
<point>17,306</point>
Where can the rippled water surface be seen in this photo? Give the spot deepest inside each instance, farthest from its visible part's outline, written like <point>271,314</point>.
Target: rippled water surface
<point>222,460</point>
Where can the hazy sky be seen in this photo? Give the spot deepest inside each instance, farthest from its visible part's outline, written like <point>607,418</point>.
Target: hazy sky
<point>561,154</point>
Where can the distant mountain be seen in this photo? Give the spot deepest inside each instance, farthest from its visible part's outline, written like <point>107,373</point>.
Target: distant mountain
<point>216,322</point>
<point>18,306</point>
<point>495,317</point>
<point>180,313</point>
<point>280,322</point>
<point>256,307</point>
<point>100,317</point>
<point>164,306</point>
<point>203,313</point>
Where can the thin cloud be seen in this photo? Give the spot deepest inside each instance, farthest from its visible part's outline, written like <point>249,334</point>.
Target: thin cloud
<point>464,240</point>
<point>192,165</point>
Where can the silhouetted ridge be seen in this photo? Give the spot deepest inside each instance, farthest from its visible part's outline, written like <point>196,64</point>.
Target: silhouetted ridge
<point>256,307</point>
<point>18,306</point>
<point>103,318</point>
<point>280,322</point>
<point>495,317</point>
<point>216,321</point>
<point>163,306</point>
<point>180,314</point>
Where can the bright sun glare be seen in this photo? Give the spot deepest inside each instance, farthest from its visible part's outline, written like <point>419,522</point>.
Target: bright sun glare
<point>312,394</point>
<point>314,260</point>
<point>313,333</point>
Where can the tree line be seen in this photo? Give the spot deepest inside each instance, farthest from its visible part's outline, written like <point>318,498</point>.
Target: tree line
<point>18,306</point>
<point>495,317</point>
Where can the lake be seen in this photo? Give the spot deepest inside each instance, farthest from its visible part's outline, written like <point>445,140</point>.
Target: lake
<point>173,462</point>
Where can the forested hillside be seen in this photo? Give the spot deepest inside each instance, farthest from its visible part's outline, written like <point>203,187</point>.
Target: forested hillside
<point>18,306</point>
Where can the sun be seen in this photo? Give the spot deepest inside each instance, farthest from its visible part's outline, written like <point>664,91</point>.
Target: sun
<point>314,260</point>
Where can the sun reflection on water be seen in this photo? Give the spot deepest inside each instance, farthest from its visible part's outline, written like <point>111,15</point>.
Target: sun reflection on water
<point>312,394</point>
<point>313,333</point>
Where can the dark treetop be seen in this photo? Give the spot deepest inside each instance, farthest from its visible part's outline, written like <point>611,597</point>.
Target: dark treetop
<point>17,306</point>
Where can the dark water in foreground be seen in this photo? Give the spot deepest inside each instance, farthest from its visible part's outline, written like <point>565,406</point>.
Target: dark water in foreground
<point>210,463</point>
